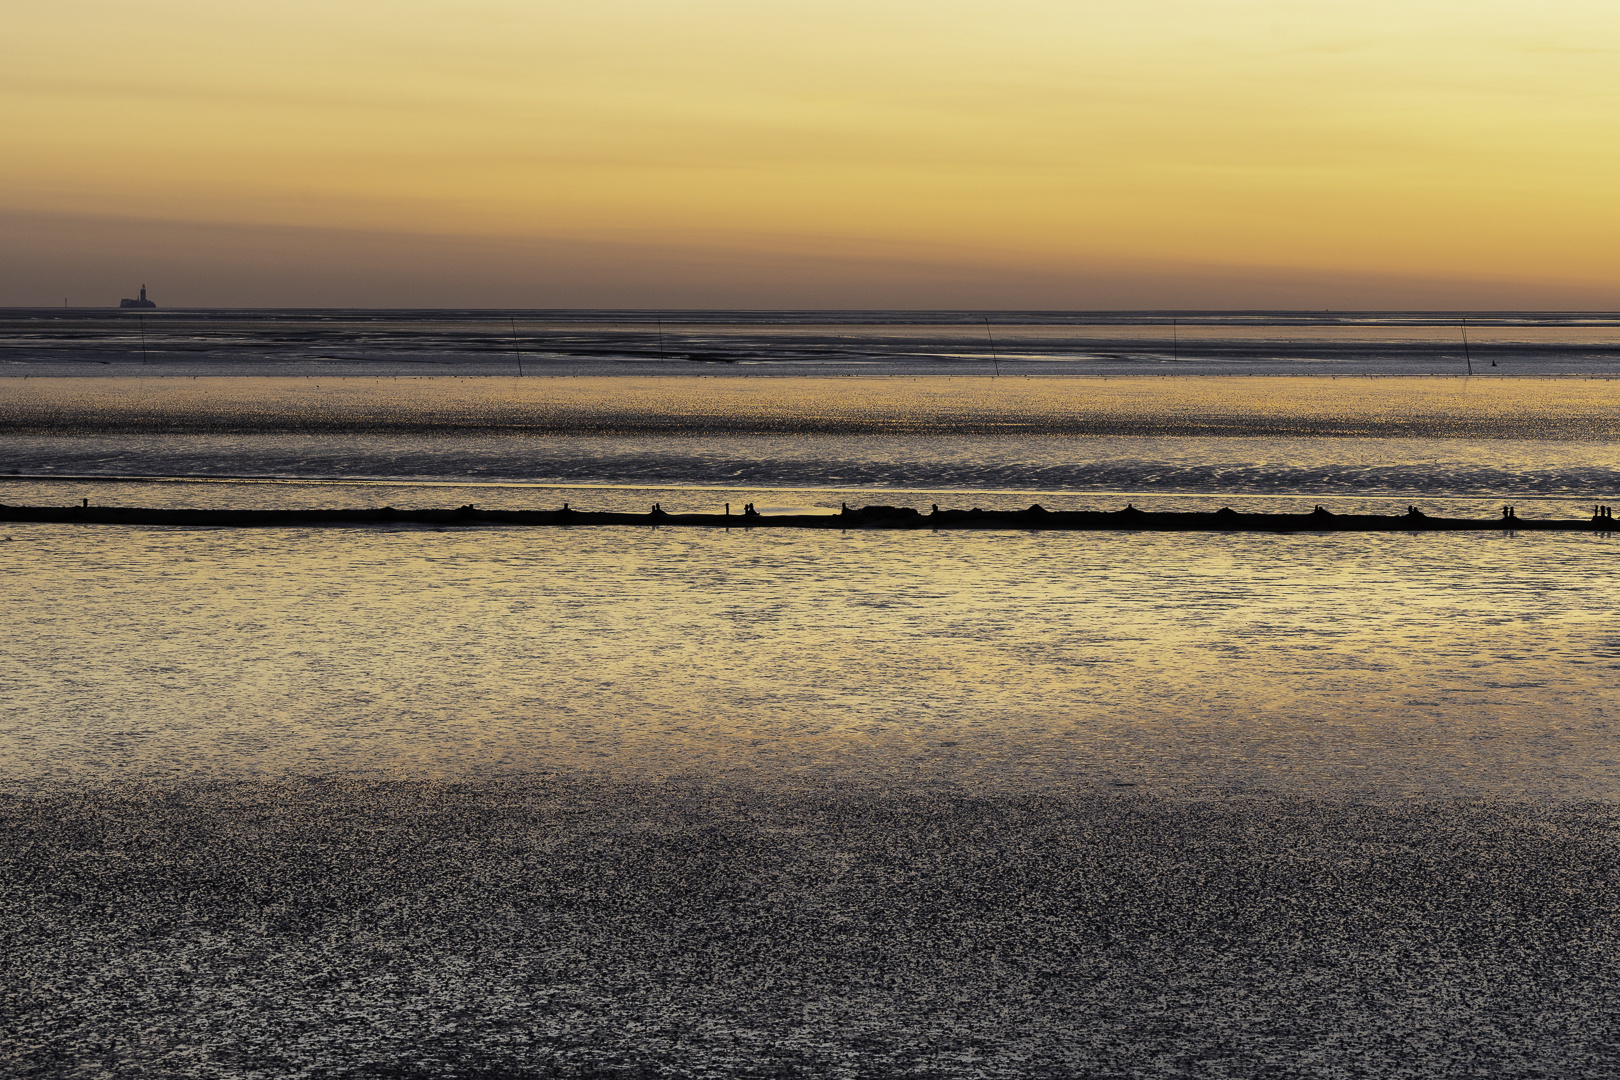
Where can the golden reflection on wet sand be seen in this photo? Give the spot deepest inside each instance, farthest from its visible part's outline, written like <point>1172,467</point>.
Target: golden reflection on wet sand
<point>1422,664</point>
<point>1234,405</point>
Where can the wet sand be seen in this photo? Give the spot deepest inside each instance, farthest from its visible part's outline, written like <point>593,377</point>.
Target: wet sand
<point>569,926</point>
<point>607,405</point>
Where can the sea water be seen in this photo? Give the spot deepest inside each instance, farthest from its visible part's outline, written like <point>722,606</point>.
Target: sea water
<point>1426,664</point>
<point>845,343</point>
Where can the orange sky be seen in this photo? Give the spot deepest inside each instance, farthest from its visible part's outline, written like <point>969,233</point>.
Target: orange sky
<point>1028,153</point>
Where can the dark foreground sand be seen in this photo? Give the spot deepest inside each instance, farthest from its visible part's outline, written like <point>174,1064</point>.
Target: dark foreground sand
<point>581,928</point>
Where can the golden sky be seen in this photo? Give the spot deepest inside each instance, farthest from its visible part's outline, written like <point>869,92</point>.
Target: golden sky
<point>1023,153</point>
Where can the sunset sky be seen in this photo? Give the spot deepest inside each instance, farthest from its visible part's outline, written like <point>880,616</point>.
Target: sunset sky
<point>1025,153</point>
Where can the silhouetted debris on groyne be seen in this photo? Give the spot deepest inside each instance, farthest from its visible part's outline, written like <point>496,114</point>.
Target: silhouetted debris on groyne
<point>867,517</point>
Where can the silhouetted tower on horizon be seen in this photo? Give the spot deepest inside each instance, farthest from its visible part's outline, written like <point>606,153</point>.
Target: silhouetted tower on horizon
<point>143,302</point>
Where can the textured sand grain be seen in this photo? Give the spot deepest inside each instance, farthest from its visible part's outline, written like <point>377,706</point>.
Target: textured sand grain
<point>574,927</point>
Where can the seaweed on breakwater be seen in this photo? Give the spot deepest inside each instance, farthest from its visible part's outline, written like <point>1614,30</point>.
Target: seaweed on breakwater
<point>1034,517</point>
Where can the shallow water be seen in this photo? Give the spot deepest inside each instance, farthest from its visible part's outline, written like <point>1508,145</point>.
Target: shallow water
<point>1368,445</point>
<point>1449,476</point>
<point>1429,665</point>
<point>797,343</point>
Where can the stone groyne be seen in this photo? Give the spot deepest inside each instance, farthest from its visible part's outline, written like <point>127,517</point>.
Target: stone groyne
<point>867,517</point>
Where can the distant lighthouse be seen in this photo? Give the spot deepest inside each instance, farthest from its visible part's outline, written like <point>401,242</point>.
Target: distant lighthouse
<point>142,302</point>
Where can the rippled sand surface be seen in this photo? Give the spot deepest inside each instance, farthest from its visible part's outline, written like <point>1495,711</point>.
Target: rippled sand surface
<point>1375,445</point>
<point>940,407</point>
<point>1449,664</point>
<point>556,927</point>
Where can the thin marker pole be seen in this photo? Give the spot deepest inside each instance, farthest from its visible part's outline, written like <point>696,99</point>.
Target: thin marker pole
<point>993,357</point>
<point>143,337</point>
<point>1175,342</point>
<point>1467,355</point>
<point>516,351</point>
<point>660,339</point>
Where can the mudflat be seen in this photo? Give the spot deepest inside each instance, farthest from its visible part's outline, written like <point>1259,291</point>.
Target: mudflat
<point>575,926</point>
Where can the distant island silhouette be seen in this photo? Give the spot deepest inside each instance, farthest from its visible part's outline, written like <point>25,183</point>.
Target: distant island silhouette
<point>140,302</point>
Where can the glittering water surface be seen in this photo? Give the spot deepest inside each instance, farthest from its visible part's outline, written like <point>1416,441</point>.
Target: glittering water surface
<point>1432,664</point>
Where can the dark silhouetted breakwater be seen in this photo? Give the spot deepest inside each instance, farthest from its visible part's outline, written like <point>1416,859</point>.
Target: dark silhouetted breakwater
<point>867,517</point>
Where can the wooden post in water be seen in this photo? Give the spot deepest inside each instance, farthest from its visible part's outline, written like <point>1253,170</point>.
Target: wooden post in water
<point>515,350</point>
<point>1467,355</point>
<point>993,357</point>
